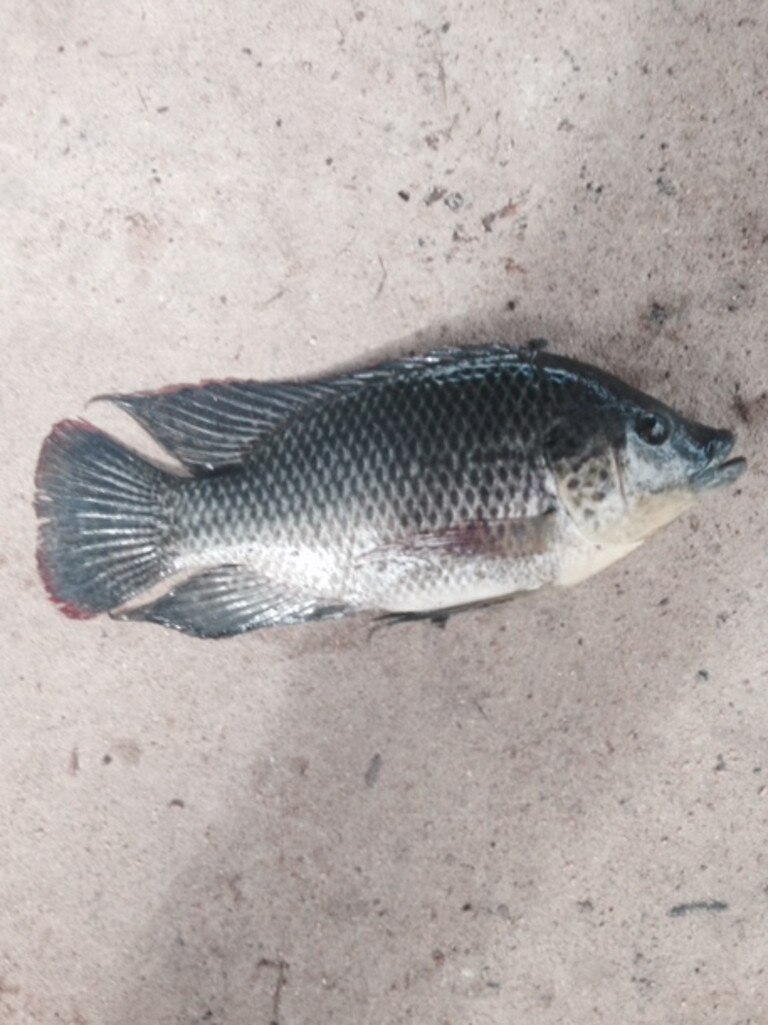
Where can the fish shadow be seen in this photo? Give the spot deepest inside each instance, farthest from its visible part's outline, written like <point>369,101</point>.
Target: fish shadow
<point>396,829</point>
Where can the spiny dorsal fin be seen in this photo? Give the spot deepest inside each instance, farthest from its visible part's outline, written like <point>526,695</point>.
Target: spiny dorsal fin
<point>212,425</point>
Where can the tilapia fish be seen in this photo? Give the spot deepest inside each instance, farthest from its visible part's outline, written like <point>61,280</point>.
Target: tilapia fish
<point>418,486</point>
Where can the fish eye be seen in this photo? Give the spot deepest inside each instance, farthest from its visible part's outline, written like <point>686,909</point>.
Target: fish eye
<point>652,428</point>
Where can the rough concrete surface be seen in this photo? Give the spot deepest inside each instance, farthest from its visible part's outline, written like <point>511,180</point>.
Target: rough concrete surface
<point>551,812</point>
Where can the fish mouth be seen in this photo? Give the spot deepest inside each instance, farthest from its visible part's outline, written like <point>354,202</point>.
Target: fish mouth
<point>720,470</point>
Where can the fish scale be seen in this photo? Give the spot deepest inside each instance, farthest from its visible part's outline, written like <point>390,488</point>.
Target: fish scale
<point>455,478</point>
<point>336,478</point>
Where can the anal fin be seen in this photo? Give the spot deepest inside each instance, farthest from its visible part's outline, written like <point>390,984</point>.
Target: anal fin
<point>230,600</point>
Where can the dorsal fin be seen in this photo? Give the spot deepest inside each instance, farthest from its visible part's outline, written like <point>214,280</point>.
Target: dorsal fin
<point>212,425</point>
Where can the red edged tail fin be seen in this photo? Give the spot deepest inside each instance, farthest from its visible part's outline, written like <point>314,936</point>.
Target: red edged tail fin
<point>103,526</point>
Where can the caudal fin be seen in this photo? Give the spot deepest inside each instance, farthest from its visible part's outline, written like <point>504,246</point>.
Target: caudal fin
<point>103,529</point>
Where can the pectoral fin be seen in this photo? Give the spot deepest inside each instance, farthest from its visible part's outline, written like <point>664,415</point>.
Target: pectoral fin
<point>437,617</point>
<point>503,539</point>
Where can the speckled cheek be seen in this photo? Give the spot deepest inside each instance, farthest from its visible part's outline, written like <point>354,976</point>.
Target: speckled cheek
<point>590,492</point>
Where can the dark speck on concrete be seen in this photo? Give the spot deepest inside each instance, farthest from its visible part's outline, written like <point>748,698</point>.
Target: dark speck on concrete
<point>106,759</point>
<point>434,195</point>
<point>658,314</point>
<point>697,905</point>
<point>745,409</point>
<point>703,674</point>
<point>740,406</point>
<point>454,201</point>
<point>404,195</point>
<point>665,186</point>
<point>373,770</point>
<point>642,981</point>
<point>460,235</point>
<point>719,764</point>
<point>176,802</point>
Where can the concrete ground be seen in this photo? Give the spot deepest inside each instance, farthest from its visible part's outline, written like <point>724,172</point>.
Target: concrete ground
<point>552,812</point>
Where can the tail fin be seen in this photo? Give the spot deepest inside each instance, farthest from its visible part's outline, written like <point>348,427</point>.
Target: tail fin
<point>103,523</point>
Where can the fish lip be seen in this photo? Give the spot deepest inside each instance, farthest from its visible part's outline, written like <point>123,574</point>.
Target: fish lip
<point>719,470</point>
<point>719,474</point>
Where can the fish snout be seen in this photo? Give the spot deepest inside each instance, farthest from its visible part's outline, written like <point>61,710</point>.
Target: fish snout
<point>716,446</point>
<point>719,446</point>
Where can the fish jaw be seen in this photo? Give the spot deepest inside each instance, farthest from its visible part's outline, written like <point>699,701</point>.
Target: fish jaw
<point>583,557</point>
<point>719,475</point>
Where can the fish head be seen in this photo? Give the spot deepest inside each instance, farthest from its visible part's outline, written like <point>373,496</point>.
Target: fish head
<point>625,464</point>
<point>667,462</point>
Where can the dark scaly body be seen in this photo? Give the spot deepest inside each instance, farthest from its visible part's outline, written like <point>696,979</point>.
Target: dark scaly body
<point>327,502</point>
<point>423,484</point>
